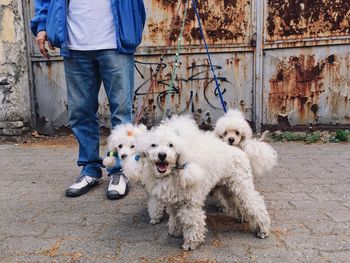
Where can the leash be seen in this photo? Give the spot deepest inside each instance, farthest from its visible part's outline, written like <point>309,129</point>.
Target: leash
<point>194,3</point>
<point>176,61</point>
<point>159,66</point>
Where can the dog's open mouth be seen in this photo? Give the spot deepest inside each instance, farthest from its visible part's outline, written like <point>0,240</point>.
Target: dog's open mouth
<point>162,167</point>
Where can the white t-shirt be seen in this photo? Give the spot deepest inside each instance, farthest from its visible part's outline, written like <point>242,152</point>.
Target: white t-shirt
<point>90,25</point>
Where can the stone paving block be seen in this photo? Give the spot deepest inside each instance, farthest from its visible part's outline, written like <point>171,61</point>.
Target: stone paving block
<point>282,254</point>
<point>19,246</point>
<point>72,231</point>
<point>22,229</point>
<point>340,215</point>
<point>220,254</point>
<point>337,257</point>
<point>326,243</point>
<point>316,205</point>
<point>326,227</point>
<point>235,239</point>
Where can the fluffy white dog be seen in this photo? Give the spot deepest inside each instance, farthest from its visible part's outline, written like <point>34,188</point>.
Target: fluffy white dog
<point>181,165</point>
<point>122,142</point>
<point>233,129</point>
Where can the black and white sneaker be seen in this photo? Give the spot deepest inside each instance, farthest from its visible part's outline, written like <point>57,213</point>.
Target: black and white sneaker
<point>82,185</point>
<point>118,186</point>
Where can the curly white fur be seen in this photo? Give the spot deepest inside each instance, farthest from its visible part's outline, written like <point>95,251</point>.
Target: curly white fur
<point>181,165</point>
<point>233,129</point>
<point>122,142</point>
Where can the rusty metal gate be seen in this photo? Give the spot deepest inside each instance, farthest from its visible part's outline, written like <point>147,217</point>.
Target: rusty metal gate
<point>283,63</point>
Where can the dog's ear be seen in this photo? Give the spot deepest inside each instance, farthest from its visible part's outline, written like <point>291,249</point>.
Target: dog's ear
<point>180,149</point>
<point>143,142</point>
<point>111,143</point>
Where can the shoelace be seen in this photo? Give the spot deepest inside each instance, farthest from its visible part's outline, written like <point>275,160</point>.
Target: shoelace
<point>115,178</point>
<point>80,178</point>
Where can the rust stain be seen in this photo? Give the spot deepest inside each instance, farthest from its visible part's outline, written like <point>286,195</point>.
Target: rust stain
<point>297,86</point>
<point>224,22</point>
<point>302,18</point>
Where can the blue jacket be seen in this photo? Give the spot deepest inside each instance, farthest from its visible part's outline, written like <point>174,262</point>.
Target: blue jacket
<point>129,18</point>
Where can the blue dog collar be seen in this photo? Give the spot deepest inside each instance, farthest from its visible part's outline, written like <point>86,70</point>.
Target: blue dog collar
<point>183,166</point>
<point>137,157</point>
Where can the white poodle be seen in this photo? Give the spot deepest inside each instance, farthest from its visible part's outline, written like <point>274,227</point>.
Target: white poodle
<point>123,143</point>
<point>233,129</point>
<point>181,165</point>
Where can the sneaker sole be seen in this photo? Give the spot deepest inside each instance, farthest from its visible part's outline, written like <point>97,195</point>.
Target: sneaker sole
<point>117,196</point>
<point>75,192</point>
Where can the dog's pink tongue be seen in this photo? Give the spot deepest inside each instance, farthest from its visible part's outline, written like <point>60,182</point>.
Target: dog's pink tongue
<point>162,167</point>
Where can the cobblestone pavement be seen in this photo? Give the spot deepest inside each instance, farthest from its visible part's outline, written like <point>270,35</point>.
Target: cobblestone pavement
<point>308,197</point>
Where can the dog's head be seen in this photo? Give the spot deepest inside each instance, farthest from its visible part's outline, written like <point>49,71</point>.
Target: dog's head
<point>123,139</point>
<point>163,147</point>
<point>232,128</point>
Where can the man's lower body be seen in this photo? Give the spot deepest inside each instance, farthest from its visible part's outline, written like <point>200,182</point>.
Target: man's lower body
<point>84,72</point>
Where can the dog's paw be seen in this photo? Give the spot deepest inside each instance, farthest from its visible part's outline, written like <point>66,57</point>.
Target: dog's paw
<point>176,234</point>
<point>154,221</point>
<point>262,234</point>
<point>239,220</point>
<point>190,245</point>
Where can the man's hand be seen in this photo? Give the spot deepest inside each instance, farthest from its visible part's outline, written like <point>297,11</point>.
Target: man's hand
<point>41,39</point>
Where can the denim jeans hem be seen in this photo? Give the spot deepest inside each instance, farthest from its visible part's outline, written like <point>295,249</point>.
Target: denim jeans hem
<point>91,172</point>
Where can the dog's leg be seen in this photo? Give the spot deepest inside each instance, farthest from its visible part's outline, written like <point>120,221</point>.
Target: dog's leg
<point>193,224</point>
<point>155,210</point>
<point>253,205</point>
<point>174,226</point>
<point>232,204</point>
<point>237,210</point>
<point>219,196</point>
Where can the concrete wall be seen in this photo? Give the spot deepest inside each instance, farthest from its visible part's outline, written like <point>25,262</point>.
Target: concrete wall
<point>14,82</point>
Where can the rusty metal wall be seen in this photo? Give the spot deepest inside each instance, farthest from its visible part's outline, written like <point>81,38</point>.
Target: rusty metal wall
<point>307,86</point>
<point>307,63</point>
<point>194,85</point>
<point>226,22</point>
<point>302,19</point>
<point>284,63</point>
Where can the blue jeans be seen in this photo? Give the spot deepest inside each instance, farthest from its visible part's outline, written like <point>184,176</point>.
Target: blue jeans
<point>84,71</point>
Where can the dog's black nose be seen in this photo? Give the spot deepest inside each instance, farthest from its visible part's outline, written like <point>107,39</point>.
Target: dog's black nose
<point>124,156</point>
<point>162,156</point>
<point>231,140</point>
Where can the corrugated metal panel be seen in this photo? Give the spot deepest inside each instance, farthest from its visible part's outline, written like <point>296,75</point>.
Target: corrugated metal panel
<point>302,19</point>
<point>51,96</point>
<point>194,85</point>
<point>307,86</point>
<point>226,22</point>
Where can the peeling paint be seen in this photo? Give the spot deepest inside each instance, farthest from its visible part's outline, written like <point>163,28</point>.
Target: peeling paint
<point>305,19</point>
<point>225,22</point>
<point>309,89</point>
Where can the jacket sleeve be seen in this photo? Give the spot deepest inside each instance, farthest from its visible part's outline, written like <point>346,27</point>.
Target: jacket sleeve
<point>38,23</point>
<point>143,12</point>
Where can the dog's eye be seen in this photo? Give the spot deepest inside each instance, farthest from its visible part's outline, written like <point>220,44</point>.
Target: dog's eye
<point>237,132</point>
<point>153,145</point>
<point>120,146</point>
<point>225,133</point>
<point>132,146</point>
<point>171,145</point>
